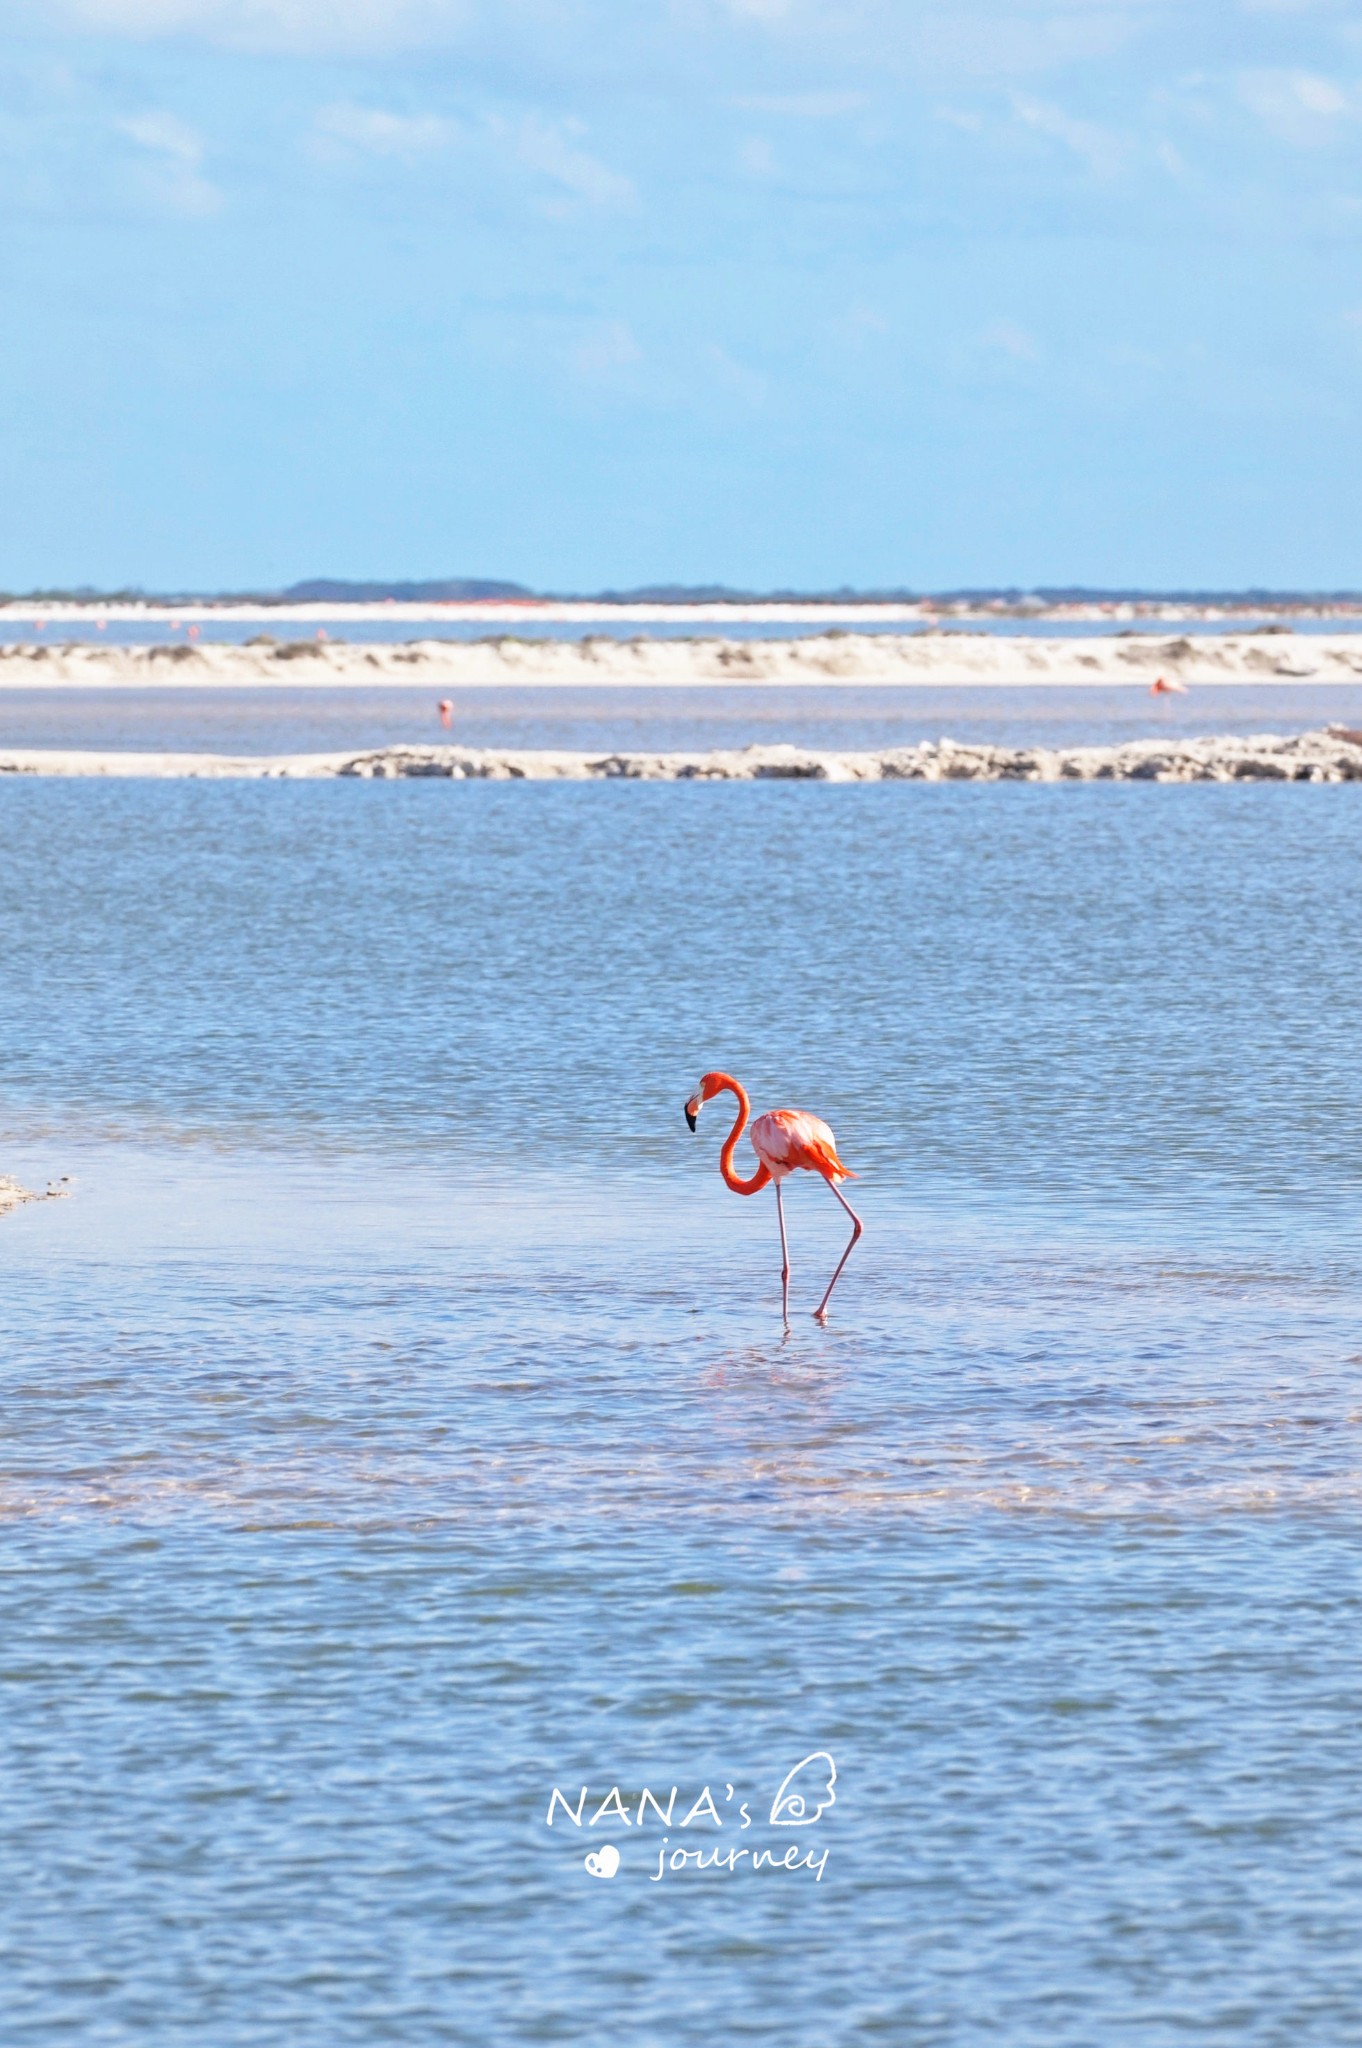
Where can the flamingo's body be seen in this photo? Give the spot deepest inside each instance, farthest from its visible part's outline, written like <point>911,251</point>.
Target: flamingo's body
<point>785,1141</point>
<point>1162,687</point>
<point>790,1141</point>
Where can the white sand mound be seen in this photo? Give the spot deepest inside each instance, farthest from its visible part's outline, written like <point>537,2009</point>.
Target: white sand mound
<point>13,1195</point>
<point>824,659</point>
<point>1269,757</point>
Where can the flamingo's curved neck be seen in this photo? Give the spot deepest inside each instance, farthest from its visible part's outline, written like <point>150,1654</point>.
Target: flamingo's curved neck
<point>732,1179</point>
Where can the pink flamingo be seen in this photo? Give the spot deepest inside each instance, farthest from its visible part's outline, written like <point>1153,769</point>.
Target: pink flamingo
<point>785,1141</point>
<point>445,708</point>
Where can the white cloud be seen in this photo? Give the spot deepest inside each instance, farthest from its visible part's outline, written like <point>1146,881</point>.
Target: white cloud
<point>860,326</point>
<point>1298,107</point>
<point>948,44</point>
<point>743,383</point>
<point>569,177</point>
<point>802,106</point>
<point>837,43</point>
<point>173,154</point>
<point>1104,153</point>
<point>964,118</point>
<point>347,24</point>
<point>759,10</point>
<point>608,350</point>
<point>1006,338</point>
<point>266,24</point>
<point>552,150</point>
<point>344,129</point>
<point>167,135</point>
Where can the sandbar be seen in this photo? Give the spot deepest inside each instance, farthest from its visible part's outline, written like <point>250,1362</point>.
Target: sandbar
<point>825,659</point>
<point>1321,756</point>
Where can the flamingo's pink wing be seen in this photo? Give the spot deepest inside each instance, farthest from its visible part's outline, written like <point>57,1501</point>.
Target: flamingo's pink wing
<point>793,1138</point>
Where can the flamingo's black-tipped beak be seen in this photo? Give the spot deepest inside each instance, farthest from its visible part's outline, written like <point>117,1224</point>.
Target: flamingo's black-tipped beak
<point>690,1114</point>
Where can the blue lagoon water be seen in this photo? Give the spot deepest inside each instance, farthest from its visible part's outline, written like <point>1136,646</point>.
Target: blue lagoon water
<point>398,1422</point>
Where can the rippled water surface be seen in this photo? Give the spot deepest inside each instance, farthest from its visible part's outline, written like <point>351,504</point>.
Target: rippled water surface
<point>280,719</point>
<point>398,1422</point>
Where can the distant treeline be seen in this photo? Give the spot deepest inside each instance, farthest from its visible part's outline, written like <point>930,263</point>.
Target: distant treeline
<point>464,590</point>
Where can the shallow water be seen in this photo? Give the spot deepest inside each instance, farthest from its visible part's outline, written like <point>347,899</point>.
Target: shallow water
<point>398,1422</point>
<point>35,631</point>
<point>283,720</point>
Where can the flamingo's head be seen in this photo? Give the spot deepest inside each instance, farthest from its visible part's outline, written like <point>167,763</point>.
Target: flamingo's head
<point>710,1084</point>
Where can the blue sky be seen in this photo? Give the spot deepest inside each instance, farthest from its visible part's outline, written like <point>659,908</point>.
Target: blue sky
<point>774,292</point>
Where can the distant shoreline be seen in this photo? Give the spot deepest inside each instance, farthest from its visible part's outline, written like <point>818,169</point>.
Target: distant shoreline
<point>1149,614</point>
<point>822,661</point>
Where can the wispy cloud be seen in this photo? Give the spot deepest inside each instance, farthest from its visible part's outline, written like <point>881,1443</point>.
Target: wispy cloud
<point>166,134</point>
<point>268,24</point>
<point>734,377</point>
<point>566,176</point>
<point>172,154</point>
<point>981,41</point>
<point>1104,153</point>
<point>345,129</point>
<point>860,325</point>
<point>760,10</point>
<point>553,152</point>
<point>608,351</point>
<point>1299,107</point>
<point>967,119</point>
<point>1006,338</point>
<point>802,106</point>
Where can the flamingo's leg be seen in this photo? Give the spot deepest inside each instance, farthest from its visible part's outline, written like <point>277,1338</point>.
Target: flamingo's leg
<point>821,1312</point>
<point>784,1260</point>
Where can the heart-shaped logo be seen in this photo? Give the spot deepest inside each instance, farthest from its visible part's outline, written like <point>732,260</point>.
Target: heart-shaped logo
<point>603,1862</point>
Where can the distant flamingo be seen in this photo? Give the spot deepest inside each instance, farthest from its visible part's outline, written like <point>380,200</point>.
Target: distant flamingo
<point>785,1141</point>
<point>1161,687</point>
<point>446,710</point>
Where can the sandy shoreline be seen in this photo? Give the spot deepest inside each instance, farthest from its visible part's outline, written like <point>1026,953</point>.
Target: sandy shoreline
<point>13,1194</point>
<point>1298,757</point>
<point>825,660</point>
